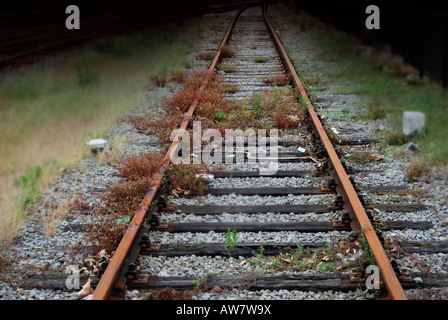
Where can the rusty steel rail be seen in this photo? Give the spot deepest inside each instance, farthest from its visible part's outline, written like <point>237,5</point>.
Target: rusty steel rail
<point>359,219</point>
<point>104,289</point>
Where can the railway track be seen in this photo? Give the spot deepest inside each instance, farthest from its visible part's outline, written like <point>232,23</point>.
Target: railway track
<point>304,231</point>
<point>168,234</point>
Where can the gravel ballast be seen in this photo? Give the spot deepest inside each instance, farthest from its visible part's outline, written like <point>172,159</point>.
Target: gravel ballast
<point>37,251</point>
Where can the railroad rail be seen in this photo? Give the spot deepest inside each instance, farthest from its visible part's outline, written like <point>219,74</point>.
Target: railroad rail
<point>108,279</point>
<point>359,218</point>
<point>121,269</point>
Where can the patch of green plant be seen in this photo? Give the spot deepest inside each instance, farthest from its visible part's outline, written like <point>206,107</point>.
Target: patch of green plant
<point>329,251</point>
<point>202,64</point>
<point>259,255</point>
<point>276,95</point>
<point>21,88</point>
<point>187,178</point>
<point>303,105</point>
<point>374,112</point>
<point>231,238</point>
<point>368,254</point>
<point>86,75</point>
<point>327,267</point>
<point>260,59</point>
<point>28,183</point>
<point>361,157</point>
<point>5,261</point>
<point>417,169</point>
<point>220,116</point>
<point>90,135</point>
<point>395,138</point>
<point>201,282</point>
<point>227,67</point>
<point>297,259</point>
<point>256,102</point>
<point>312,80</point>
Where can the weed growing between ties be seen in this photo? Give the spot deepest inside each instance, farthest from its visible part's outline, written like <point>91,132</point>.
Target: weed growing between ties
<point>260,59</point>
<point>122,199</point>
<point>137,167</point>
<point>279,106</point>
<point>187,180</point>
<point>227,51</point>
<point>201,282</point>
<point>276,107</point>
<point>297,259</point>
<point>270,108</point>
<point>167,294</point>
<point>364,157</point>
<point>173,108</point>
<point>337,256</point>
<point>231,238</point>
<point>212,103</point>
<point>368,254</point>
<point>278,80</point>
<point>227,67</point>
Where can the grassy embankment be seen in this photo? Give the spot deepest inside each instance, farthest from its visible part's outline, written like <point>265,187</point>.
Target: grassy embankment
<point>388,85</point>
<point>49,110</point>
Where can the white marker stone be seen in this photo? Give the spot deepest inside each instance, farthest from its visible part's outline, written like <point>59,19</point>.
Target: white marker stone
<point>96,144</point>
<point>413,122</point>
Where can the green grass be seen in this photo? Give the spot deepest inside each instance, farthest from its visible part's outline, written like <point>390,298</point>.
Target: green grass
<point>394,96</point>
<point>382,79</point>
<point>28,183</point>
<point>231,238</point>
<point>227,67</point>
<point>49,109</point>
<point>300,259</point>
<point>260,59</point>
